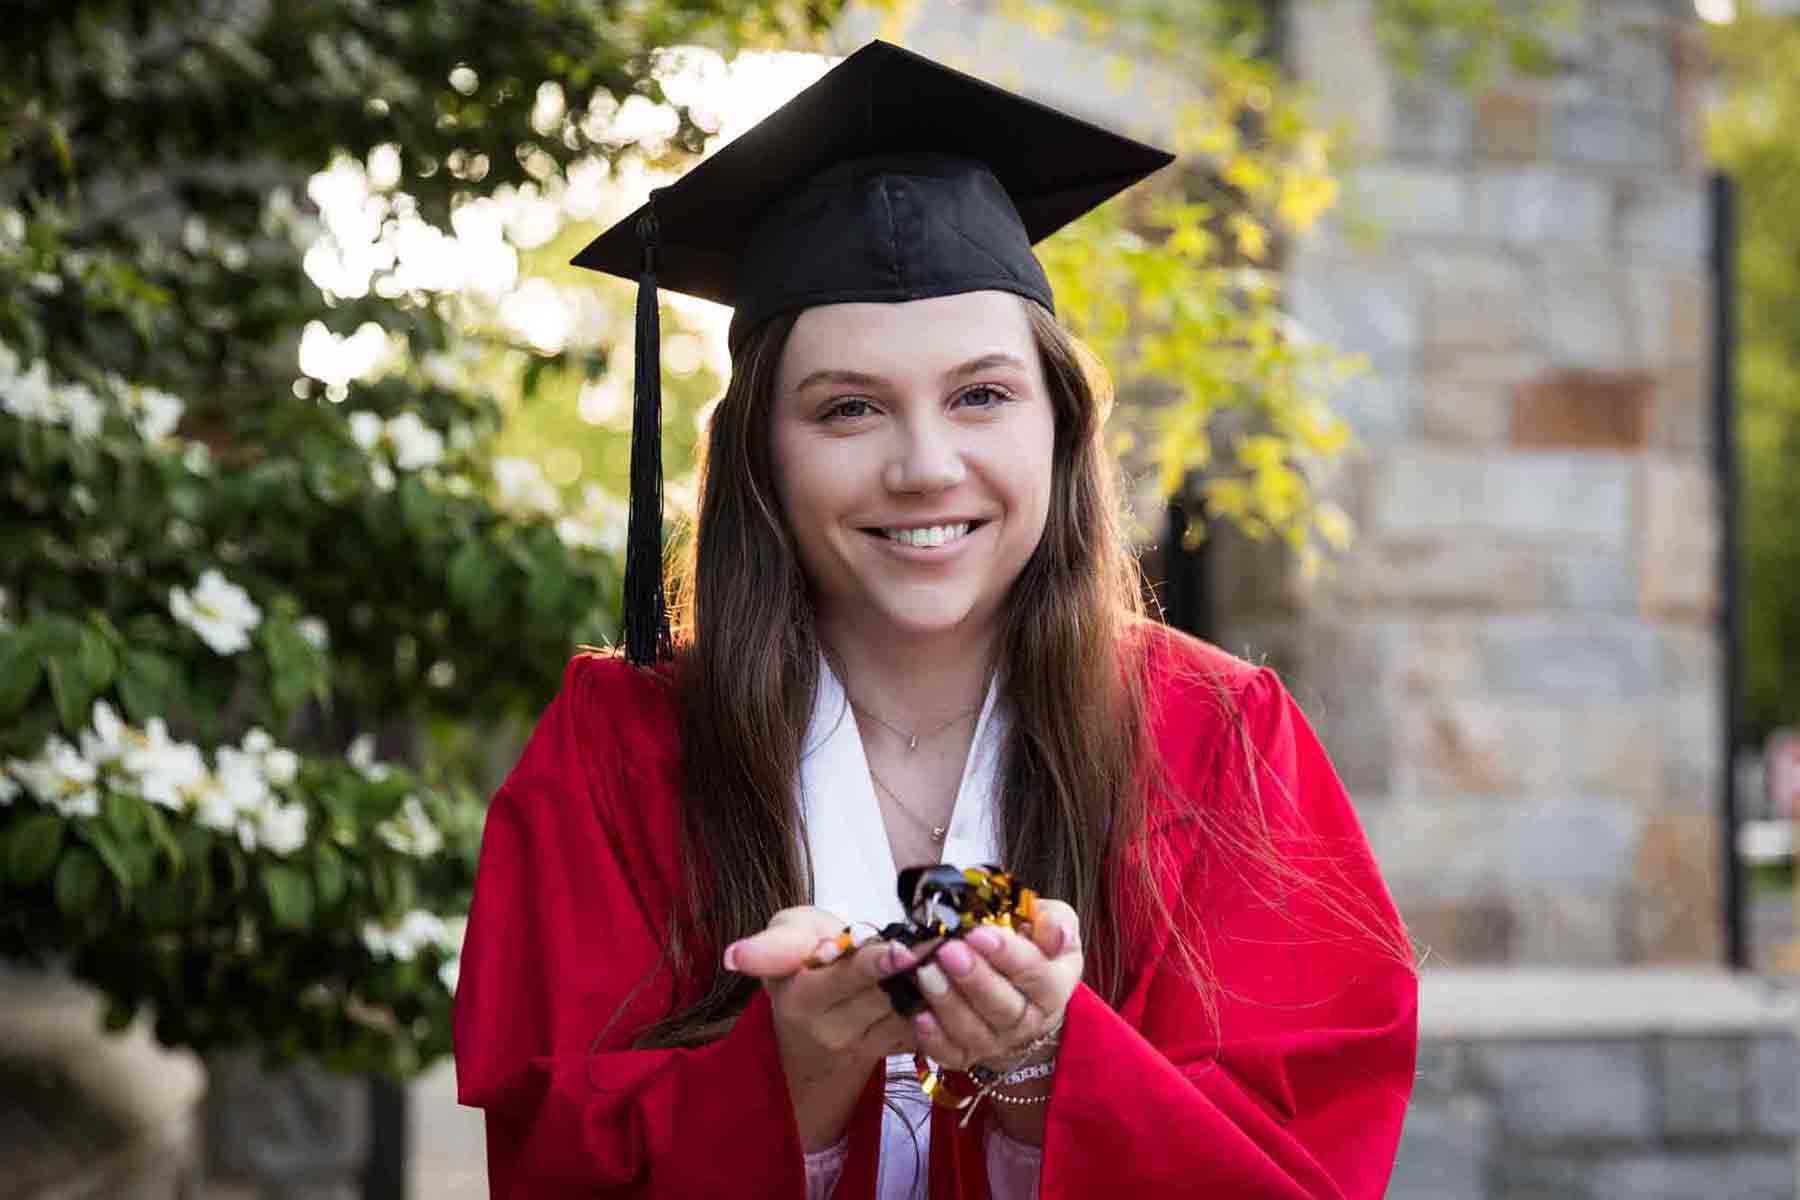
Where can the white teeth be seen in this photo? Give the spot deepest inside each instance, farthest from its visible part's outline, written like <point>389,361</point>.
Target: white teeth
<point>936,535</point>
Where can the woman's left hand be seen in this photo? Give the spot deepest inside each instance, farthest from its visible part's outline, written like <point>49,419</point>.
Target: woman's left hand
<point>992,992</point>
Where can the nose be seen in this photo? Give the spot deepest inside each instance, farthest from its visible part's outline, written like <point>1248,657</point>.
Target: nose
<point>927,460</point>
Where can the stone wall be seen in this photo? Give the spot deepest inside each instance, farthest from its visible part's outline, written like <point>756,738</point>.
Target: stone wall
<point>1640,1085</point>
<point>1515,667</point>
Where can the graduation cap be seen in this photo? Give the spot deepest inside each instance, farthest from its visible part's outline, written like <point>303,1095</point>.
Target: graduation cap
<point>891,178</point>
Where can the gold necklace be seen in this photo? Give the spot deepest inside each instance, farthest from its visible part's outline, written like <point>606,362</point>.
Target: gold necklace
<point>938,832</point>
<point>912,739</point>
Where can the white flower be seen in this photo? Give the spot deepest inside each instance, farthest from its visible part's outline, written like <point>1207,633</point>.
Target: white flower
<point>9,790</point>
<point>218,610</point>
<point>410,831</point>
<point>523,488</point>
<point>279,766</point>
<point>403,939</point>
<point>156,413</point>
<point>281,828</point>
<point>361,755</point>
<point>314,632</point>
<point>61,778</point>
<point>383,475</point>
<point>365,429</point>
<point>109,741</point>
<point>30,397</point>
<point>197,458</point>
<point>257,741</point>
<point>81,408</point>
<point>9,362</point>
<point>170,774</point>
<point>578,535</point>
<point>441,370</point>
<point>416,444</point>
<point>448,973</point>
<point>231,794</point>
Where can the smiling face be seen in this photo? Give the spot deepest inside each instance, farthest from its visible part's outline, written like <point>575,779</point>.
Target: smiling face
<point>912,448</point>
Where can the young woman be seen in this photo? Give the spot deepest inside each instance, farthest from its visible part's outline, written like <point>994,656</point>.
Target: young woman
<point>910,632</point>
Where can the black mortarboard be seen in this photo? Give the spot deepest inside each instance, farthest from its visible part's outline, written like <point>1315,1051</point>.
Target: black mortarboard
<point>891,178</point>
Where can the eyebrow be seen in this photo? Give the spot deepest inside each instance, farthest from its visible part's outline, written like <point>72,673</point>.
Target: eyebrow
<point>864,379</point>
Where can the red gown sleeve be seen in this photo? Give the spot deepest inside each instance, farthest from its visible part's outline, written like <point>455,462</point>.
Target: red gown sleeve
<point>568,916</point>
<point>1300,1086</point>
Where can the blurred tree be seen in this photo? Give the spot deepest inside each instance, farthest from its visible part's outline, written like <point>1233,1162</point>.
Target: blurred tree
<point>1752,138</point>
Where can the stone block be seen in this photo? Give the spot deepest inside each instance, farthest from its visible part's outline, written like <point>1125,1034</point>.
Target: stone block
<point>1453,572</point>
<point>1482,745</point>
<point>1440,654</point>
<point>1535,1175</point>
<point>1587,580</point>
<point>1410,201</point>
<point>1617,749</point>
<point>1702,1086</point>
<point>1678,573</point>
<point>1343,668</point>
<point>1683,418</point>
<point>1377,405</point>
<point>1691,657</point>
<point>1476,301</point>
<point>1665,220</point>
<point>1740,1174</point>
<point>1471,931</point>
<point>1579,846</point>
<point>1581,663</point>
<point>1440,1068</point>
<point>1773,1066</point>
<point>1672,902</point>
<point>1432,121</point>
<point>1542,206</point>
<point>1582,298</point>
<point>1437,848</point>
<point>1420,491</point>
<point>1451,410</point>
<point>1355,304</point>
<point>1511,125</point>
<point>1444,1150</point>
<point>1569,1091</point>
<point>1568,929</point>
<point>1560,496</point>
<point>1335,50</point>
<point>1692,733</point>
<point>1576,409</point>
<point>1669,316</point>
<point>1603,131</point>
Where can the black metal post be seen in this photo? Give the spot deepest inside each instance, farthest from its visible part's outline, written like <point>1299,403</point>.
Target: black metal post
<point>384,1175</point>
<point>1724,265</point>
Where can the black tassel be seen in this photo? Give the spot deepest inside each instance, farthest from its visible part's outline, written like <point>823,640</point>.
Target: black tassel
<point>646,621</point>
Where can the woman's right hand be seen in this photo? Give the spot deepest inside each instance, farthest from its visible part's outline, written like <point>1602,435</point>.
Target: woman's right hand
<point>833,1023</point>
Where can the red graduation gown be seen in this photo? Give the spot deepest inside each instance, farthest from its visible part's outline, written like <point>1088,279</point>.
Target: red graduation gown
<point>1298,1090</point>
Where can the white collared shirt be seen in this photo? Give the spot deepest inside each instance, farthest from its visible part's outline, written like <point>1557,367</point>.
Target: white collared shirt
<point>854,875</point>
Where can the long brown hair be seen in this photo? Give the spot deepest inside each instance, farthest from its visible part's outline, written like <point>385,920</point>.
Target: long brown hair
<point>1073,809</point>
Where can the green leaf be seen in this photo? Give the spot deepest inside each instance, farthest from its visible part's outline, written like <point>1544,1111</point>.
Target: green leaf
<point>290,895</point>
<point>69,689</point>
<point>125,814</point>
<point>20,674</point>
<point>31,846</point>
<point>95,659</point>
<point>77,881</point>
<point>113,853</point>
<point>149,686</point>
<point>330,874</point>
<point>157,826</point>
<point>469,575</point>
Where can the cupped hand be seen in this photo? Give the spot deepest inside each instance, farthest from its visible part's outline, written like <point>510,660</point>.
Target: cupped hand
<point>828,1019</point>
<point>993,991</point>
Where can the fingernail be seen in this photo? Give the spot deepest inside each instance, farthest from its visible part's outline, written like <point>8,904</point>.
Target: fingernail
<point>731,957</point>
<point>925,1023</point>
<point>957,959</point>
<point>932,980</point>
<point>987,939</point>
<point>827,951</point>
<point>898,958</point>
